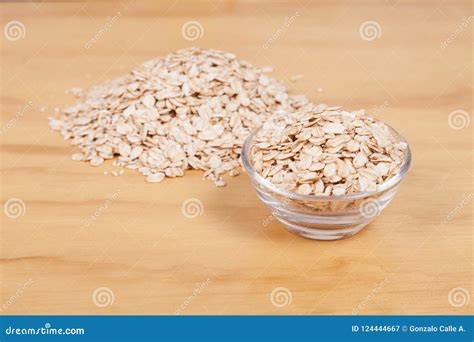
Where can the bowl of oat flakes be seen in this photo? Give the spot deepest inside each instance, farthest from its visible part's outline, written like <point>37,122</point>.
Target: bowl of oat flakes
<point>326,173</point>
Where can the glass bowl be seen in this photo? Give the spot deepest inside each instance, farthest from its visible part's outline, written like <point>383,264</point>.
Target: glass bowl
<point>324,217</point>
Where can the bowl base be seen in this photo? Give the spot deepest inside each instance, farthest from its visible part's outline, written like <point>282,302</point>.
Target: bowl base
<point>328,234</point>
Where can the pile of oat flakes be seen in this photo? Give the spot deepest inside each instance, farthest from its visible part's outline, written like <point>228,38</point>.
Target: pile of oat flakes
<point>326,151</point>
<point>191,109</point>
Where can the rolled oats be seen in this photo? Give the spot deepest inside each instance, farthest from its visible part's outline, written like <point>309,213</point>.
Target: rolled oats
<point>191,109</point>
<point>326,151</point>
<point>96,161</point>
<point>155,177</point>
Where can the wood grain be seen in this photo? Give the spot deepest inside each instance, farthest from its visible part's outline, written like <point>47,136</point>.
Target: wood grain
<point>72,240</point>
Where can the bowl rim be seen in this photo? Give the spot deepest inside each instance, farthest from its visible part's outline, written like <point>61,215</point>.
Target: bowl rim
<point>356,195</point>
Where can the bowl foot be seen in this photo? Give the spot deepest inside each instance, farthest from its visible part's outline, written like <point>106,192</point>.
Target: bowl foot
<point>326,233</point>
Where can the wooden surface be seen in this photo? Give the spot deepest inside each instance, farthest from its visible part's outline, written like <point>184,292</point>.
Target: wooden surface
<point>71,240</point>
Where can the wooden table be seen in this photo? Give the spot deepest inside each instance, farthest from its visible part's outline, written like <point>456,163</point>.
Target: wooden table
<point>81,232</point>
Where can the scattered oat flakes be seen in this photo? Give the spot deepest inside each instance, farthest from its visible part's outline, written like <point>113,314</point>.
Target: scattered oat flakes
<point>295,78</point>
<point>77,157</point>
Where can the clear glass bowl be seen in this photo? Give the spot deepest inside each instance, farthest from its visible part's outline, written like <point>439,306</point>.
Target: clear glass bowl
<point>324,217</point>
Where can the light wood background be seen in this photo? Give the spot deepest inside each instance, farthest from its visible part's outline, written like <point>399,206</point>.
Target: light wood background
<point>230,259</point>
